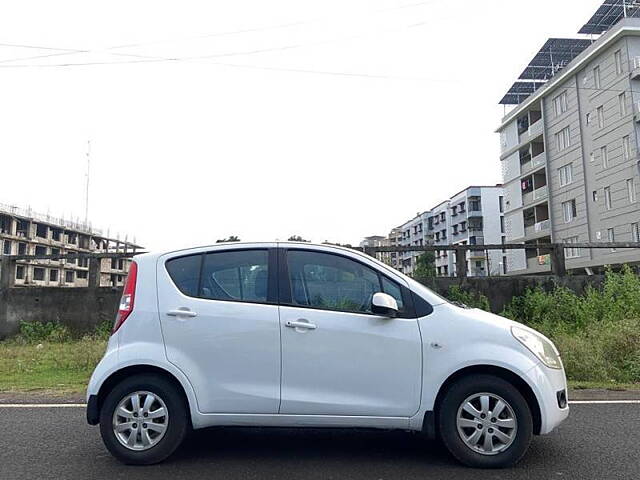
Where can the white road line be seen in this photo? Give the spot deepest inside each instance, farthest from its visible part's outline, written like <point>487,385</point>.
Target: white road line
<point>83,405</point>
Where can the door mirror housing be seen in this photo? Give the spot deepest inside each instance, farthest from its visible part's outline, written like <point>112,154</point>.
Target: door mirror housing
<point>384,304</point>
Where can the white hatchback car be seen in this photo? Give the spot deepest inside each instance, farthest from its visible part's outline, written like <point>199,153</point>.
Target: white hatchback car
<point>301,335</point>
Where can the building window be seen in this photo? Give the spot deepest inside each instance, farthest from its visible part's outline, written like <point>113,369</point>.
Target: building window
<point>53,275</point>
<point>22,248</point>
<point>626,148</point>
<point>563,139</point>
<point>560,104</point>
<point>607,198</point>
<point>566,175</point>
<point>504,265</point>
<point>618,60</point>
<point>501,224</point>
<point>631,190</point>
<point>571,252</point>
<point>611,237</point>
<point>622,104</point>
<point>604,154</point>
<point>569,211</point>
<point>596,78</point>
<point>38,274</point>
<point>592,157</point>
<point>600,113</point>
<point>40,250</point>
<point>20,272</point>
<point>6,248</point>
<point>595,195</point>
<point>635,232</point>
<point>82,275</point>
<point>501,203</point>
<point>68,276</point>
<point>588,118</point>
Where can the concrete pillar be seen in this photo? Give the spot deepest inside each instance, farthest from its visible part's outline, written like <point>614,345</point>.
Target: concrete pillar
<point>461,263</point>
<point>558,265</point>
<point>94,272</point>
<point>7,272</point>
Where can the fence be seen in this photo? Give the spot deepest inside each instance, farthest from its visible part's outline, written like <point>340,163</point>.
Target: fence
<point>557,254</point>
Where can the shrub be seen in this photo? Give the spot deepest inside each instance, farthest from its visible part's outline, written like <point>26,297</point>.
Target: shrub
<point>35,332</point>
<point>470,299</point>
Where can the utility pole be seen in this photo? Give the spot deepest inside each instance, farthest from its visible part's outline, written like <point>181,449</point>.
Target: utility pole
<point>86,199</point>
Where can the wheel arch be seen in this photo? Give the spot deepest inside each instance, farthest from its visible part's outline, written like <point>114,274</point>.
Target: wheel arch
<point>116,377</point>
<point>516,380</point>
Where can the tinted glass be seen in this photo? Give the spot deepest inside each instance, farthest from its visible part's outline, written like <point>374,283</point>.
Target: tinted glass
<point>185,273</point>
<point>331,282</point>
<point>393,289</point>
<point>240,275</point>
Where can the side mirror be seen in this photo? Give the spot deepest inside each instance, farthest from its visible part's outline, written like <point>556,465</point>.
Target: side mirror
<point>384,304</point>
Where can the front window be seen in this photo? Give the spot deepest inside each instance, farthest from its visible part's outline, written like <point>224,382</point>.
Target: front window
<point>333,282</point>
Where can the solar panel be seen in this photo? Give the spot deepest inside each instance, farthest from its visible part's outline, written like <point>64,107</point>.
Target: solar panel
<point>554,55</point>
<point>519,92</point>
<point>610,13</point>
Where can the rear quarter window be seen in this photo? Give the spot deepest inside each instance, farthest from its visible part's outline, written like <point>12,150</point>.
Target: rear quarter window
<point>185,273</point>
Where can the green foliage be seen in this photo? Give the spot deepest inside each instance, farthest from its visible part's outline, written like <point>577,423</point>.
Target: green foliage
<point>103,330</point>
<point>470,299</point>
<point>297,238</point>
<point>425,266</point>
<point>36,332</point>
<point>598,333</point>
<point>232,238</point>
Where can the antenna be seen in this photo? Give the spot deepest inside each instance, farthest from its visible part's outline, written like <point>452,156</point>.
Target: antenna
<point>86,199</point>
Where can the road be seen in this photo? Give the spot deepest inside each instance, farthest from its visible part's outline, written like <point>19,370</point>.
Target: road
<point>597,442</point>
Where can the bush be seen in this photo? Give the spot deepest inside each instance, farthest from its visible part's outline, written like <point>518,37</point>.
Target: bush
<point>470,299</point>
<point>36,332</point>
<point>598,333</point>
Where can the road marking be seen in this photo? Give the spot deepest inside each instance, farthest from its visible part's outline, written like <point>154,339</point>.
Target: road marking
<point>84,405</point>
<point>43,405</point>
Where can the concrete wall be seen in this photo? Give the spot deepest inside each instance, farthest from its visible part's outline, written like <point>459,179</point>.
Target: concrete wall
<point>500,290</point>
<point>81,309</point>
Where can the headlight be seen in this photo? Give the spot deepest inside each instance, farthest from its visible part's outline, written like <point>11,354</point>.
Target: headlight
<point>539,346</point>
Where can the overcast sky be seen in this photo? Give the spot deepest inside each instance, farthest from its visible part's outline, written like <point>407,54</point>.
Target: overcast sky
<point>330,119</point>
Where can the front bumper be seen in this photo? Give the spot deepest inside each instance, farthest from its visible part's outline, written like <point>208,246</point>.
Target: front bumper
<point>548,383</point>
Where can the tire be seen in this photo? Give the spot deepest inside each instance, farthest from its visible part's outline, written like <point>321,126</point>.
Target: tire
<point>168,430</point>
<point>511,431</point>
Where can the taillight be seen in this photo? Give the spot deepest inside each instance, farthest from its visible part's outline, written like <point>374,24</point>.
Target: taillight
<point>128,297</point>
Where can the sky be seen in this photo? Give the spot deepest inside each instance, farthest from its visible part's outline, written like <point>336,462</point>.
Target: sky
<point>332,119</point>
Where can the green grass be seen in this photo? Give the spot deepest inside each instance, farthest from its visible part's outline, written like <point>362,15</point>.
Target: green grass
<point>63,367</point>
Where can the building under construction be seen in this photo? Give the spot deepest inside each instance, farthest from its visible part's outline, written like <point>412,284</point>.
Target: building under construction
<point>23,232</point>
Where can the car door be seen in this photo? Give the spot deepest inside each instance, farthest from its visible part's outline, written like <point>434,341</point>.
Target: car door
<point>219,317</point>
<point>338,358</point>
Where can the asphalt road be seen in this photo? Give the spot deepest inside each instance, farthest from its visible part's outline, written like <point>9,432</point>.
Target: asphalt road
<point>596,442</point>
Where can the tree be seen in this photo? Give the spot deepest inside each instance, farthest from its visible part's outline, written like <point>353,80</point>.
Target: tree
<point>425,266</point>
<point>297,238</point>
<point>232,238</point>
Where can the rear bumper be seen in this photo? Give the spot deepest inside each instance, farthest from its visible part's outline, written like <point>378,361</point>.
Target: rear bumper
<point>93,412</point>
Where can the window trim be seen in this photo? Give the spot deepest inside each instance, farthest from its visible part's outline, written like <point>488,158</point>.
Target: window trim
<point>285,297</point>
<point>272,278</point>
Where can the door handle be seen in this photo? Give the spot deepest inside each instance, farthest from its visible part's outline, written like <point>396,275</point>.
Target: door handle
<point>182,312</point>
<point>301,324</point>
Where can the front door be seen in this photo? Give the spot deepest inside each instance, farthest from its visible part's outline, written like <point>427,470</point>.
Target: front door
<point>338,358</point>
<point>221,328</point>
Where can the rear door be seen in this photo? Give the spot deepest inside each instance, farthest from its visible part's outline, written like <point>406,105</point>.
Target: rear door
<point>338,358</point>
<point>221,326</point>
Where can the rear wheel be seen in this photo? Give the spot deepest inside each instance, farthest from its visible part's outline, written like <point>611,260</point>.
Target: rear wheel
<point>485,422</point>
<point>143,419</point>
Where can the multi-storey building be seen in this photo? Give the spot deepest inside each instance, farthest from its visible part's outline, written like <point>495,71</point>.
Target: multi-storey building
<point>569,153</point>
<point>473,216</point>
<point>23,232</point>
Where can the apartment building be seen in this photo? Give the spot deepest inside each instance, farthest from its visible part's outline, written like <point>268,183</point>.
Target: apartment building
<point>569,151</point>
<point>23,232</point>
<point>472,216</point>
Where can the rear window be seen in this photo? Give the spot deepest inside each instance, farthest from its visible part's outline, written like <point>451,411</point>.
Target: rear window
<point>185,273</point>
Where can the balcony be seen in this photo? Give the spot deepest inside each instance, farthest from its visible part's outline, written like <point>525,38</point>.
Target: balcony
<point>535,195</point>
<point>535,129</point>
<point>537,228</point>
<point>536,162</point>
<point>541,263</point>
<point>635,68</point>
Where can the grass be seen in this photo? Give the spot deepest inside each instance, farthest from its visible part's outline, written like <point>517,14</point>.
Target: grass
<point>63,367</point>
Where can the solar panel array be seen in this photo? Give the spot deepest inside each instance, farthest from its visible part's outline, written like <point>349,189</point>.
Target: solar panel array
<point>610,13</point>
<point>554,55</point>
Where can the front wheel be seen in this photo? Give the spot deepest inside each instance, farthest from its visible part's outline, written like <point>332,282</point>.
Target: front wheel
<point>143,420</point>
<point>485,422</point>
